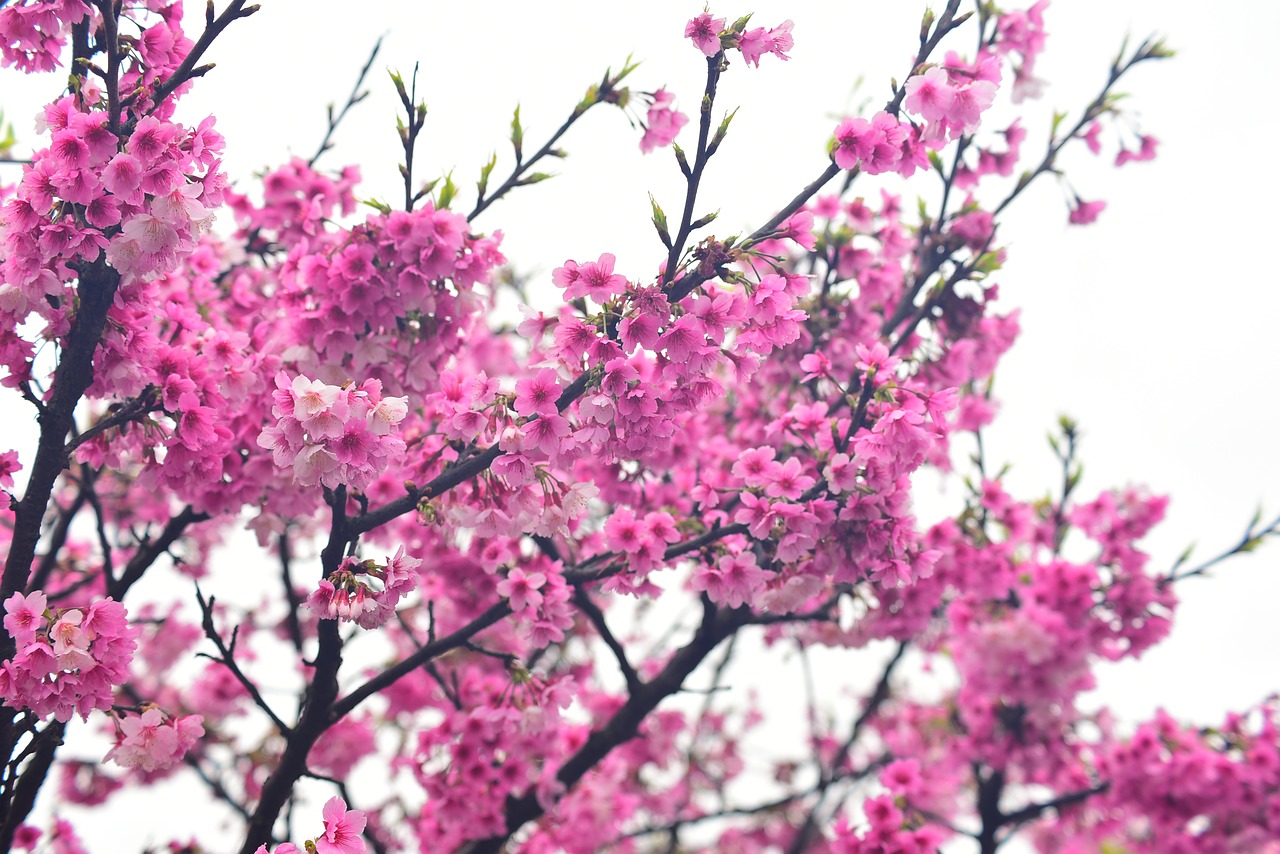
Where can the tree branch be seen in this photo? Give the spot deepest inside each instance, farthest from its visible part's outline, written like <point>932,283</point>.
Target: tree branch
<point>227,658</point>
<point>428,652</point>
<point>354,98</point>
<point>596,616</point>
<point>213,28</point>
<point>149,550</point>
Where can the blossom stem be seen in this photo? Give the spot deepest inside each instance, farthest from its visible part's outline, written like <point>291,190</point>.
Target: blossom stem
<point>98,284</point>
<point>701,156</point>
<point>28,786</point>
<point>213,28</point>
<point>354,98</point>
<point>522,168</point>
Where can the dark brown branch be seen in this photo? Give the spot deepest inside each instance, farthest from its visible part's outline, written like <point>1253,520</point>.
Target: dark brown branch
<point>317,701</point>
<point>149,551</point>
<point>428,652</point>
<point>1033,811</point>
<point>215,785</point>
<point>596,616</point>
<point>417,119</point>
<point>691,755</point>
<point>24,794</point>
<point>55,541</point>
<point>110,43</point>
<point>96,291</point>
<point>318,697</point>
<point>213,28</point>
<point>1253,536</point>
<point>227,658</point>
<point>756,809</point>
<point>354,98</point>
<point>694,176</point>
<point>990,788</point>
<point>290,594</point>
<point>100,519</point>
<point>129,411</point>
<point>597,95</point>
<point>442,483</point>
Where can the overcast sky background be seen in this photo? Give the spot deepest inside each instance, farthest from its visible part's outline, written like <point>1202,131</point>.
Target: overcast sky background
<point>1154,328</point>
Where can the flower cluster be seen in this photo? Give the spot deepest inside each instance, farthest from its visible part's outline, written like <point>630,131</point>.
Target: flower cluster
<point>890,828</point>
<point>151,171</point>
<point>91,191</point>
<point>67,661</point>
<point>1174,789</point>
<point>885,144</point>
<point>342,745</point>
<point>594,279</point>
<point>153,741</point>
<point>333,435</point>
<point>540,600</point>
<point>296,202</point>
<point>733,580</point>
<point>709,35</point>
<point>365,592</point>
<point>758,41</point>
<point>952,98</point>
<point>1022,31</point>
<point>501,745</point>
<point>342,833</point>
<point>662,122</point>
<point>409,276</point>
<point>641,539</point>
<point>33,32</point>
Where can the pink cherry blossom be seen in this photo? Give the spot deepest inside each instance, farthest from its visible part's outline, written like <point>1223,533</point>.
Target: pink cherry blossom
<point>662,122</point>
<point>704,31</point>
<point>537,396</point>
<point>521,589</point>
<point>1085,213</point>
<point>24,616</point>
<point>342,829</point>
<point>755,43</point>
<point>150,742</point>
<point>929,95</point>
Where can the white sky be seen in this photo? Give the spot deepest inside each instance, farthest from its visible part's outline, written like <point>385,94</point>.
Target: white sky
<point>1154,329</point>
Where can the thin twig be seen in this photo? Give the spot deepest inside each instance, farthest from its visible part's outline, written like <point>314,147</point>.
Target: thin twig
<point>1253,536</point>
<point>213,28</point>
<point>831,774</point>
<point>596,616</point>
<point>226,657</point>
<point>354,98</point>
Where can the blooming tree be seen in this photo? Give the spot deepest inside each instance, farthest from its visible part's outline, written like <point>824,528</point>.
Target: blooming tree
<point>509,564</point>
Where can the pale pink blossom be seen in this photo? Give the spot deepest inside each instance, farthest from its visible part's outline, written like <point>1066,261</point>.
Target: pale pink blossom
<point>342,829</point>
<point>704,31</point>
